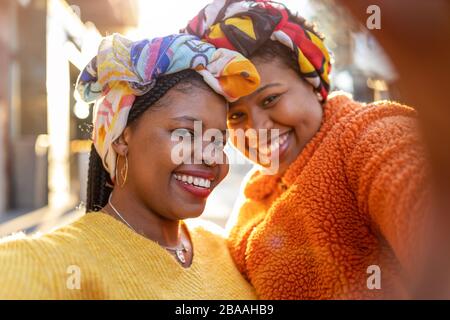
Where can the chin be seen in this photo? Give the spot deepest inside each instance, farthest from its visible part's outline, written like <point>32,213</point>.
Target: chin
<point>190,211</point>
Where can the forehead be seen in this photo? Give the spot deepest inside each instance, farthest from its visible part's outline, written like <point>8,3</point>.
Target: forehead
<point>272,68</point>
<point>273,72</point>
<point>199,103</point>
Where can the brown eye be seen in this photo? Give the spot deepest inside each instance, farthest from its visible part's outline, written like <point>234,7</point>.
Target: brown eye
<point>269,100</point>
<point>183,132</point>
<point>236,116</point>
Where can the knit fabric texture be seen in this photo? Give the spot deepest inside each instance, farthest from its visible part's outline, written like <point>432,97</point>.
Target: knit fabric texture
<point>113,262</point>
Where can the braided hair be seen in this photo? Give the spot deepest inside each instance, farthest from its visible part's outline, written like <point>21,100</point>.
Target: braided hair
<point>99,184</point>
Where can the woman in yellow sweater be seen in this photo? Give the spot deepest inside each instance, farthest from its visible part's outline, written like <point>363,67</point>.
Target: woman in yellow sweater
<point>133,243</point>
<point>342,216</point>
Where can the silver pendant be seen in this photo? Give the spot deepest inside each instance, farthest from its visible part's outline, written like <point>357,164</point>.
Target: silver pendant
<point>180,256</point>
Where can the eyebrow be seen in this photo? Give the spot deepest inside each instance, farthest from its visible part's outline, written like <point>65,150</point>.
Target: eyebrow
<point>192,119</point>
<point>257,91</point>
<point>267,86</point>
<point>186,118</point>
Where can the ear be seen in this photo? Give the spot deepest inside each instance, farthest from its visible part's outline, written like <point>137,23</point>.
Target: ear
<point>120,145</point>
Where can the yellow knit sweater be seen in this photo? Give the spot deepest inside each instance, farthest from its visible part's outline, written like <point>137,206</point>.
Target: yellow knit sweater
<point>98,257</point>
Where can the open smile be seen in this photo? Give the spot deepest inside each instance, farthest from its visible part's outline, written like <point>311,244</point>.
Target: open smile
<point>278,145</point>
<point>197,183</point>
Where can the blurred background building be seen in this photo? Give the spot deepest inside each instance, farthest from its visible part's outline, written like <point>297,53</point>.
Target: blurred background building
<point>45,135</point>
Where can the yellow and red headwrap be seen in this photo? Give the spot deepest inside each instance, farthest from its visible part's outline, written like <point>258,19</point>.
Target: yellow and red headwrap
<point>245,26</point>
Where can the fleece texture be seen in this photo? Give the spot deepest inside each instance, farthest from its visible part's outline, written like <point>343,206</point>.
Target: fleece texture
<point>350,205</point>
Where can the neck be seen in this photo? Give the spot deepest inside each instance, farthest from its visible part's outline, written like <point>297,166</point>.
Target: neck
<point>143,220</point>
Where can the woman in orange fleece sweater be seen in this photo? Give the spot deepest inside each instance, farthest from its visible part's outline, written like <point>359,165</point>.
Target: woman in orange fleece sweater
<point>342,216</point>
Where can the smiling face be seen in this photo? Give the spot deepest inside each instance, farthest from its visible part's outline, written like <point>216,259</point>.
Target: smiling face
<point>173,191</point>
<point>283,101</point>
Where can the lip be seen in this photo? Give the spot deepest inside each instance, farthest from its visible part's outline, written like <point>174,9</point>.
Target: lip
<point>195,191</point>
<point>283,147</point>
<point>205,174</point>
<point>198,192</point>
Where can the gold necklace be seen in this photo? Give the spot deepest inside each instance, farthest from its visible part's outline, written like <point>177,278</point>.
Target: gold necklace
<point>179,250</point>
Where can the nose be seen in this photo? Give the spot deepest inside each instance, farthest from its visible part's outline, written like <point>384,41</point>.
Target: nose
<point>208,159</point>
<point>207,154</point>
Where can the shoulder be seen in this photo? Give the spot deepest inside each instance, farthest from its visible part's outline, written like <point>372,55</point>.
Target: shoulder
<point>381,139</point>
<point>382,122</point>
<point>80,230</point>
<point>23,270</point>
<point>37,266</point>
<point>368,123</point>
<point>361,116</point>
<point>60,245</point>
<point>351,110</point>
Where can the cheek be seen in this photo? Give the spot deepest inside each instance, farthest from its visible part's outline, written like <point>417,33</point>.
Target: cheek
<point>295,111</point>
<point>143,165</point>
<point>151,163</point>
<point>223,170</point>
<point>289,113</point>
<point>307,122</point>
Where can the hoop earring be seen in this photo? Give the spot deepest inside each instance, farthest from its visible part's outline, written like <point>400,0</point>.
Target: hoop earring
<point>123,171</point>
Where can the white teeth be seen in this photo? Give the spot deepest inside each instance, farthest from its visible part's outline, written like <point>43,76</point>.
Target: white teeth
<point>283,138</point>
<point>275,144</point>
<point>197,181</point>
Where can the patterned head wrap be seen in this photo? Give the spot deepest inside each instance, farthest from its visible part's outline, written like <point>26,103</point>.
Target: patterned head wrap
<point>245,26</point>
<point>124,69</point>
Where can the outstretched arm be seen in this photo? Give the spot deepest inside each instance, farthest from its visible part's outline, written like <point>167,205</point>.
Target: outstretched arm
<point>387,171</point>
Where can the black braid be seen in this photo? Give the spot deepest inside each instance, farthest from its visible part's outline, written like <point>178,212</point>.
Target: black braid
<point>97,189</point>
<point>99,185</point>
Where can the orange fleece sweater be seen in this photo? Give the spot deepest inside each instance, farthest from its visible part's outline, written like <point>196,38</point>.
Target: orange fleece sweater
<point>352,199</point>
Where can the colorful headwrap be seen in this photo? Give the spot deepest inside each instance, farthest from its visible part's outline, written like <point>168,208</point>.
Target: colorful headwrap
<point>245,26</point>
<point>124,69</point>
